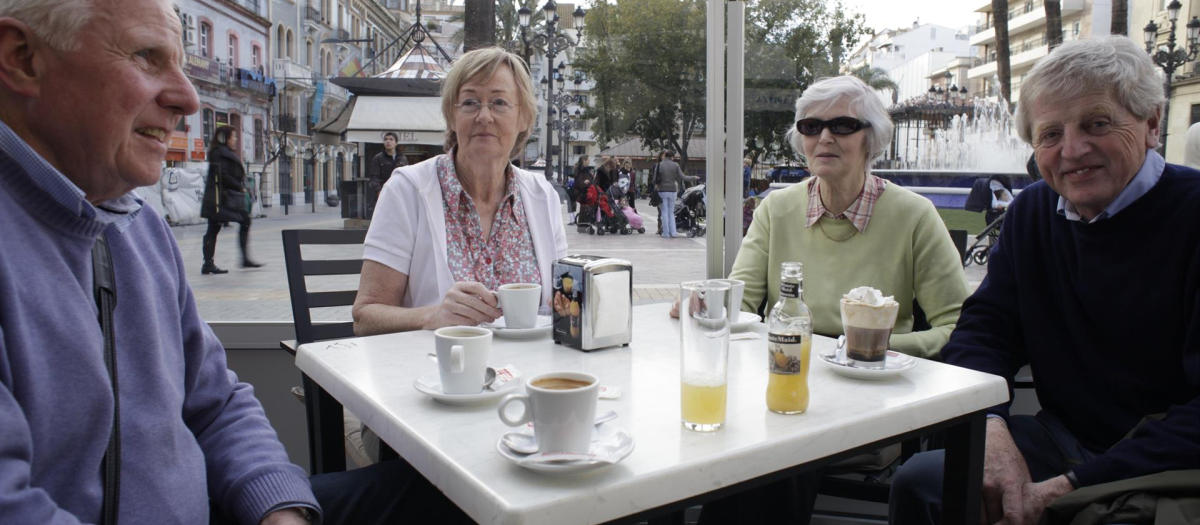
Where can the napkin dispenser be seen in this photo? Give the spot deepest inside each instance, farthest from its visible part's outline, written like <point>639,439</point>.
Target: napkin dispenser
<point>592,302</point>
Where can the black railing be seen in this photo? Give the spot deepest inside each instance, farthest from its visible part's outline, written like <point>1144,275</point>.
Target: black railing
<point>285,123</point>
<point>311,13</point>
<point>343,34</point>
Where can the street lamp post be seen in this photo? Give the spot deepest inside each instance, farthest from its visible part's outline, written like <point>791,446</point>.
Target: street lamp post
<point>553,41</point>
<point>557,118</point>
<point>1170,59</point>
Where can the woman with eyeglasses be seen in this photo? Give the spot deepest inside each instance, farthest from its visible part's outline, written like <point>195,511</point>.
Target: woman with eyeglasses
<point>850,228</point>
<point>449,231</point>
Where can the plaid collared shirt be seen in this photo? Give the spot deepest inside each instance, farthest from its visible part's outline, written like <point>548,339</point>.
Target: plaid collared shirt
<point>859,212</point>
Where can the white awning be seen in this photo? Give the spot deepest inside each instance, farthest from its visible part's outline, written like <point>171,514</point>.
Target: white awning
<point>417,120</point>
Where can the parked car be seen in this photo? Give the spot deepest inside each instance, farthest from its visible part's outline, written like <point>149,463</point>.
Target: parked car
<point>788,173</point>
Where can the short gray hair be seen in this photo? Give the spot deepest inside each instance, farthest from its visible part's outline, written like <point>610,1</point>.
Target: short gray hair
<point>482,64</point>
<point>1114,64</point>
<point>55,21</point>
<point>864,104</point>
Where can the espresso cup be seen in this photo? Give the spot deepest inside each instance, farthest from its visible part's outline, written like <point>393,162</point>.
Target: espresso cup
<point>520,301</point>
<point>562,407</point>
<point>736,288</point>
<point>462,353</point>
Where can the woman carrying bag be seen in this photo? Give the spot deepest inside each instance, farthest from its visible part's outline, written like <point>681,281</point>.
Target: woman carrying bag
<point>225,198</point>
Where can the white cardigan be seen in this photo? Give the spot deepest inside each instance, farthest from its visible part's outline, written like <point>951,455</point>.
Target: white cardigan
<point>408,230</point>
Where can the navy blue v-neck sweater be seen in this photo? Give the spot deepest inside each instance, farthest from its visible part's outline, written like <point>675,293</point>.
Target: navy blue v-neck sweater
<point>1108,317</point>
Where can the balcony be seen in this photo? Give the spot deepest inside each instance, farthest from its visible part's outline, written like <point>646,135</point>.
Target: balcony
<point>1020,57</point>
<point>1024,19</point>
<point>332,91</point>
<point>292,74</point>
<point>314,23</point>
<point>342,34</point>
<point>285,123</point>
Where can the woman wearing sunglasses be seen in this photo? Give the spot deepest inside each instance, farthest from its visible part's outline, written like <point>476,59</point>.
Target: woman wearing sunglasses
<point>850,228</point>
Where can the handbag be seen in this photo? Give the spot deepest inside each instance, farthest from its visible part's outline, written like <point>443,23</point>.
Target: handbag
<point>231,204</point>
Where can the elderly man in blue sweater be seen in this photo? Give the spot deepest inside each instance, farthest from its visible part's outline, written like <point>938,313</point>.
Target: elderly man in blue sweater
<point>90,91</point>
<point>1095,284</point>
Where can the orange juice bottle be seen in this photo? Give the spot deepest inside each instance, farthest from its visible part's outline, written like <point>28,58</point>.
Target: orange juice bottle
<point>789,345</point>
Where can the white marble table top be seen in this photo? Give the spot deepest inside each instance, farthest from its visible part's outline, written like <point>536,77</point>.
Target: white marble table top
<point>455,447</point>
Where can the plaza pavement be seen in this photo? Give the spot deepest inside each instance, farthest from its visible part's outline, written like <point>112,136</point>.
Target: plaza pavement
<point>261,294</point>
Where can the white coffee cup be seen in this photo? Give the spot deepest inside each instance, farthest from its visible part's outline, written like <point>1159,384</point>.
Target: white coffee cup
<point>736,288</point>
<point>462,353</point>
<point>520,301</point>
<point>563,418</point>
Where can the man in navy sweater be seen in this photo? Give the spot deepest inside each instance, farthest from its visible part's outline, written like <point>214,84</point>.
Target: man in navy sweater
<point>1095,284</point>
<point>90,91</point>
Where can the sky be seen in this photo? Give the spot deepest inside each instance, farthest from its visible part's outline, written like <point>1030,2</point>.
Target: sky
<point>883,14</point>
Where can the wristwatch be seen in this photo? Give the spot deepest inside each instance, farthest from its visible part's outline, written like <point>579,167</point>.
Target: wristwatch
<point>1074,481</point>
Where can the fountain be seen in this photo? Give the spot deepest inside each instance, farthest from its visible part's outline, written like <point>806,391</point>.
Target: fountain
<point>940,148</point>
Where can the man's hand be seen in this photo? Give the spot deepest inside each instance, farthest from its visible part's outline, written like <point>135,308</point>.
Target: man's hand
<point>285,517</point>
<point>1036,496</point>
<point>1004,477</point>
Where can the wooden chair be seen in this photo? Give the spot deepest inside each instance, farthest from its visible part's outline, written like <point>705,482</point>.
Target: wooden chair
<point>330,455</point>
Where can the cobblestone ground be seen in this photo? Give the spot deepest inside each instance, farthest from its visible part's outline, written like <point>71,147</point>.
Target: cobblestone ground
<point>261,294</point>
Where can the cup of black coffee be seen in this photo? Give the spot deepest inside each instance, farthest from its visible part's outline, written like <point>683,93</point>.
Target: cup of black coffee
<point>867,320</point>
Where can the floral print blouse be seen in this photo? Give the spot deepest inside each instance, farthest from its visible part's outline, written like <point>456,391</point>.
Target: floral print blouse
<point>507,255</point>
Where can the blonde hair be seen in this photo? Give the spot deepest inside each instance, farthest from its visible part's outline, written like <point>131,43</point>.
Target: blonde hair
<point>482,64</point>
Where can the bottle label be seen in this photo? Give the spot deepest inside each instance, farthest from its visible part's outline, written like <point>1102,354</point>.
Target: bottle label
<point>784,355</point>
<point>787,289</point>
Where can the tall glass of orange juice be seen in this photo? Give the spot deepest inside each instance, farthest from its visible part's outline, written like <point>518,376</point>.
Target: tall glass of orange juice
<point>704,359</point>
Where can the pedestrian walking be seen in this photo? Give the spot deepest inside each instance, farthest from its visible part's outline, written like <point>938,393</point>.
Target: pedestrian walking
<point>225,198</point>
<point>670,180</point>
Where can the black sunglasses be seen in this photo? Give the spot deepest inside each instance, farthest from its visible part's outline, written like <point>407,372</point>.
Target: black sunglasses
<point>837,126</point>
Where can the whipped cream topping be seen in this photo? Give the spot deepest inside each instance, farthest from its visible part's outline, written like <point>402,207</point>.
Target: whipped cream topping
<point>867,296</point>
<point>866,307</point>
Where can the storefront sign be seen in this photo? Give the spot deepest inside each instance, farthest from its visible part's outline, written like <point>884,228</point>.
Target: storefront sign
<point>201,68</point>
<point>178,143</point>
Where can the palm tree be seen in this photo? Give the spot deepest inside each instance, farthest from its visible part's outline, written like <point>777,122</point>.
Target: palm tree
<point>1054,34</point>
<point>1120,11</point>
<point>1003,66</point>
<point>508,26</point>
<point>875,77</point>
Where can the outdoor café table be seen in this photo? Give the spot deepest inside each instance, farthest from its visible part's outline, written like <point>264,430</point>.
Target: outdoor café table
<point>670,468</point>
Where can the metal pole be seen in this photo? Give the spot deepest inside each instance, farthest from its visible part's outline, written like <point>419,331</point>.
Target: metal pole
<point>549,102</point>
<point>715,142</point>
<point>735,128</point>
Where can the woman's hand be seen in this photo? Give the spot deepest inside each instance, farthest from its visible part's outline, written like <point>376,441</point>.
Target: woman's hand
<point>466,304</point>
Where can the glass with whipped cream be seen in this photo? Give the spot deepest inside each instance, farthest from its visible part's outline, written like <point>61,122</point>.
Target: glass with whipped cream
<point>868,317</point>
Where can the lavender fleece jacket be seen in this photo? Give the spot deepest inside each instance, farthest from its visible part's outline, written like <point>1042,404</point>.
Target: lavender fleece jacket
<point>190,431</point>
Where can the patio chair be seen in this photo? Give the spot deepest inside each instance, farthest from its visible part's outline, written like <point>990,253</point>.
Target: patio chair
<point>331,456</point>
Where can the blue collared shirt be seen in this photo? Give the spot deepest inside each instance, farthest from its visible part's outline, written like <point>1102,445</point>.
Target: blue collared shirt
<point>119,212</point>
<point>1146,178</point>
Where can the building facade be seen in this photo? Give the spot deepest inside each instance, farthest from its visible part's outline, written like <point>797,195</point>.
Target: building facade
<point>1027,38</point>
<point>313,41</point>
<point>226,46</point>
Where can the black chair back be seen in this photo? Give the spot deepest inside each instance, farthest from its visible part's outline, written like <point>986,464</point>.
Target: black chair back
<point>298,268</point>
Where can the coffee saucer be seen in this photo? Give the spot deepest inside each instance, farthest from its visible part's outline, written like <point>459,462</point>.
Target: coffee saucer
<point>895,364</point>
<point>541,328</point>
<point>431,385</point>
<point>745,320</point>
<point>610,445</point>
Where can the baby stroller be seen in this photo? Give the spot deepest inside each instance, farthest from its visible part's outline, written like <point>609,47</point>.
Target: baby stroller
<point>610,215</point>
<point>585,220</point>
<point>991,196</point>
<point>690,212</point>
<point>616,199</point>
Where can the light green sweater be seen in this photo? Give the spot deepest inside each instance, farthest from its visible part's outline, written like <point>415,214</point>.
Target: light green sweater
<point>905,252</point>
